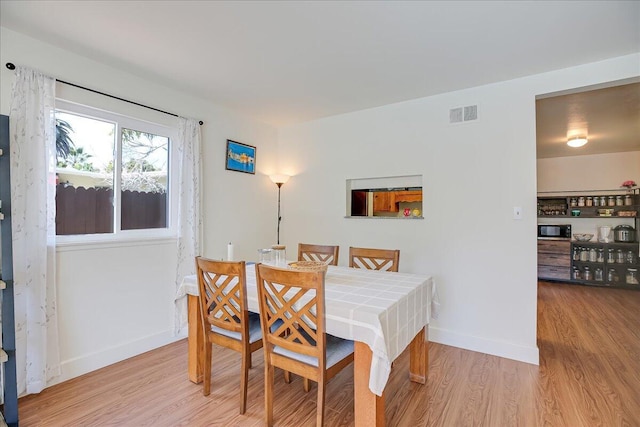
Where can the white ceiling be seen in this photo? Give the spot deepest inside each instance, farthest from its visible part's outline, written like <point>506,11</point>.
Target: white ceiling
<point>283,62</point>
<point>608,116</point>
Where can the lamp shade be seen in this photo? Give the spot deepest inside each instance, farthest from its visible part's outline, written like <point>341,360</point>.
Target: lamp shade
<point>577,141</point>
<point>279,179</point>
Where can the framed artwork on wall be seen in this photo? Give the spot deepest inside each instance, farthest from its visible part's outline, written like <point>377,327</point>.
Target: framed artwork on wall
<point>240,157</point>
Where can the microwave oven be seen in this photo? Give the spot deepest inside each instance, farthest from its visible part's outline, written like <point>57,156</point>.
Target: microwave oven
<point>555,230</point>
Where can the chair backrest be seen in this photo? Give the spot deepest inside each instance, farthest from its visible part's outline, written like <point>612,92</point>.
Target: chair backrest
<point>296,299</point>
<point>223,296</point>
<point>324,253</point>
<point>374,259</point>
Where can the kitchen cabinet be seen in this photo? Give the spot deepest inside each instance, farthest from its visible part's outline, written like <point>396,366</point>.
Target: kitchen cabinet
<point>382,202</point>
<point>554,259</point>
<point>605,264</point>
<point>407,196</point>
<point>388,201</point>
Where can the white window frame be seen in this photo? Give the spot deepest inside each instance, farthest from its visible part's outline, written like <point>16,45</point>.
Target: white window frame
<point>124,121</point>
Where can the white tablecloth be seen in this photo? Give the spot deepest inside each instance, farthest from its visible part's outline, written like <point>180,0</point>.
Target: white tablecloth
<point>385,310</point>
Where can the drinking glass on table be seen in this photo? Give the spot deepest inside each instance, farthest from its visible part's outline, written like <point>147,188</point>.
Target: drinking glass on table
<point>279,255</point>
<point>265,256</point>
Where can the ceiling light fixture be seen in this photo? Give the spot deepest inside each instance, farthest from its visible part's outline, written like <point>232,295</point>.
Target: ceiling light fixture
<point>577,141</point>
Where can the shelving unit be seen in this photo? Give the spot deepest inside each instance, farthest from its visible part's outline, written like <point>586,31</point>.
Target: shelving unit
<point>617,204</point>
<point>617,263</point>
<point>8,351</point>
<point>558,261</point>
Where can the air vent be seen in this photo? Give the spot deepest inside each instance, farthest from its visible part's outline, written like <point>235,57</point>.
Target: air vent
<point>463,114</point>
<point>470,113</point>
<point>455,115</point>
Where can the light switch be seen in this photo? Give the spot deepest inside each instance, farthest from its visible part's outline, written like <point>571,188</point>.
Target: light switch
<point>517,212</point>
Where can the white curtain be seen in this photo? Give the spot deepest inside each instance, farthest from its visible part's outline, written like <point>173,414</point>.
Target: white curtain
<point>189,221</point>
<point>33,161</point>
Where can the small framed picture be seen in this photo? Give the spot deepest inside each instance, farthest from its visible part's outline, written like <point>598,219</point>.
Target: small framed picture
<point>240,157</point>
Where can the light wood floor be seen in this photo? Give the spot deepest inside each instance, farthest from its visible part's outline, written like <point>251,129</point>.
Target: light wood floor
<point>589,375</point>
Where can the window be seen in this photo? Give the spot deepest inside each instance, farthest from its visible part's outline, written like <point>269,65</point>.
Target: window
<point>113,174</point>
<point>390,197</point>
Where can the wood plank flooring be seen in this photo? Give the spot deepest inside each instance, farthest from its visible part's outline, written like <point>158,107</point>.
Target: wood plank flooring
<point>589,375</point>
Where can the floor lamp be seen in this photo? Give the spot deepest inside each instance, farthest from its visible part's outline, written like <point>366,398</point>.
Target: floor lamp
<point>279,180</point>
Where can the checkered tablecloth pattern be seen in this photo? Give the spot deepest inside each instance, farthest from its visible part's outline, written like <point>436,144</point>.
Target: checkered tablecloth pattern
<point>385,310</point>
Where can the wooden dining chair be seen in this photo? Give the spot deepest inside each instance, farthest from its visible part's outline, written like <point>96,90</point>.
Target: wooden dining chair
<point>374,259</point>
<point>294,300</point>
<point>324,253</point>
<point>225,318</point>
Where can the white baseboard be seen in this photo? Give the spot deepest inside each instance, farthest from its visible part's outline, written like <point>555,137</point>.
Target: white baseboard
<point>90,362</point>
<point>483,345</point>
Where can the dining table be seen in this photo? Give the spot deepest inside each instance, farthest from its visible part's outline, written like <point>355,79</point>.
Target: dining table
<point>382,312</point>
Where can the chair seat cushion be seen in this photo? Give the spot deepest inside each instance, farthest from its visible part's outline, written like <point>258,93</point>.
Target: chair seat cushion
<point>336,350</point>
<point>255,331</point>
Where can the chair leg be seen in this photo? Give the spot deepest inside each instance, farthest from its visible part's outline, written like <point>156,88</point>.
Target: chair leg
<point>320,406</point>
<point>206,368</point>
<point>244,379</point>
<point>268,392</point>
<point>287,374</point>
<point>306,385</point>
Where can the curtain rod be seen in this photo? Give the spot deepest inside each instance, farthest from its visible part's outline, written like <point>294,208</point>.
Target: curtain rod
<point>13,67</point>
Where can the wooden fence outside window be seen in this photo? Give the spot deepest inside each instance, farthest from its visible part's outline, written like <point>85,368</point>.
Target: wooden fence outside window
<point>90,210</point>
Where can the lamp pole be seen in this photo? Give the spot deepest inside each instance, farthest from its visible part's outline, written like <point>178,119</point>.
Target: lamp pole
<point>279,184</point>
<point>279,180</point>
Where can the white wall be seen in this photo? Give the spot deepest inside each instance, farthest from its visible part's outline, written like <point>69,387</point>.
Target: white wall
<point>483,261</point>
<point>117,301</point>
<point>592,172</point>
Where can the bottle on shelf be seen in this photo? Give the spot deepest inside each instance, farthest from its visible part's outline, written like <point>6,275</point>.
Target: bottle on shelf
<point>598,275</point>
<point>593,255</point>
<point>584,254</point>
<point>576,274</point>
<point>612,276</point>
<point>587,273</point>
<point>620,258</point>
<point>632,276</point>
<point>631,257</point>
<point>600,257</point>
